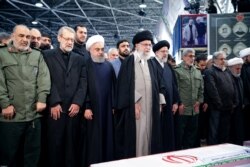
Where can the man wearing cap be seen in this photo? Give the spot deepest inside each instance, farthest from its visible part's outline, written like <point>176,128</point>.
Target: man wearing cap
<point>124,51</point>
<point>99,104</point>
<point>221,99</point>
<point>161,50</point>
<point>190,86</point>
<point>237,126</point>
<point>245,75</point>
<point>67,95</point>
<point>137,114</point>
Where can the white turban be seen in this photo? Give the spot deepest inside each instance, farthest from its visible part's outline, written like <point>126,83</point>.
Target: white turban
<point>94,39</point>
<point>234,61</point>
<point>244,52</point>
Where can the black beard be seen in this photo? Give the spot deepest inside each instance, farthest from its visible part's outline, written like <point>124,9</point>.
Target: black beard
<point>123,55</point>
<point>45,47</point>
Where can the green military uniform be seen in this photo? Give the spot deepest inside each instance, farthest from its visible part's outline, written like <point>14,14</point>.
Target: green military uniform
<point>190,86</point>
<point>24,81</point>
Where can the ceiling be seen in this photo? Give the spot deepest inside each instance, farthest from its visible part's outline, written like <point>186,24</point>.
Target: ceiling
<point>114,19</point>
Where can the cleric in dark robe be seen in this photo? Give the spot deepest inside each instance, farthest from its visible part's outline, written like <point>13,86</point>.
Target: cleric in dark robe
<point>237,122</point>
<point>161,50</point>
<point>137,114</point>
<point>98,115</point>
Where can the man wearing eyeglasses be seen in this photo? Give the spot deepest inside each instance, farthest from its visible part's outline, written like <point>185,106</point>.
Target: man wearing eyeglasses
<point>138,111</point>
<point>221,99</point>
<point>67,95</point>
<point>190,85</point>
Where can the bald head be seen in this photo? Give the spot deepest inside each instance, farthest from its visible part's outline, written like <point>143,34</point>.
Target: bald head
<point>21,37</point>
<point>35,38</point>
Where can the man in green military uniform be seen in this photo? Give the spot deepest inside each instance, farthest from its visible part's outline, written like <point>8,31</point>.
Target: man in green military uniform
<point>24,86</point>
<point>190,85</point>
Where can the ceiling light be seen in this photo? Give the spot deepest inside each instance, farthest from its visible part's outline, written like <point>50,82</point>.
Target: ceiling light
<point>34,22</point>
<point>158,1</point>
<point>39,4</point>
<point>142,5</point>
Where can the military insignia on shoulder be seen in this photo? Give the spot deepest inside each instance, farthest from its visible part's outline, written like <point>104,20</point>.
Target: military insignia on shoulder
<point>2,45</point>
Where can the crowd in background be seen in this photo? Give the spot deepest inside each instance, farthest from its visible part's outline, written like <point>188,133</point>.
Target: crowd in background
<point>75,105</point>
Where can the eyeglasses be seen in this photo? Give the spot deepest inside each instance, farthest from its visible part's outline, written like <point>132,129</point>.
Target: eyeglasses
<point>68,39</point>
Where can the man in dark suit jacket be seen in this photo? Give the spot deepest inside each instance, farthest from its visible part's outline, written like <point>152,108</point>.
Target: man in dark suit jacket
<point>68,91</point>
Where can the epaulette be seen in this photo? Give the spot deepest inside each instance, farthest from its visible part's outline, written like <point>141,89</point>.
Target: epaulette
<point>2,45</point>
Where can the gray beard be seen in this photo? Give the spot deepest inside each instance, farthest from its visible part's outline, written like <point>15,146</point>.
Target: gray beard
<point>98,60</point>
<point>143,56</point>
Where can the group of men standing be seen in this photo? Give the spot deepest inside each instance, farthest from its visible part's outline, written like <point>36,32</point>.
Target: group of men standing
<point>96,111</point>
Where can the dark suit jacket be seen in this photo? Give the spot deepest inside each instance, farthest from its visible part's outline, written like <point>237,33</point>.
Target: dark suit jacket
<point>68,85</point>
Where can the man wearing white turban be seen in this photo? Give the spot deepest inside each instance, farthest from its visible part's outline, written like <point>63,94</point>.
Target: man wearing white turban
<point>237,126</point>
<point>99,103</point>
<point>245,75</point>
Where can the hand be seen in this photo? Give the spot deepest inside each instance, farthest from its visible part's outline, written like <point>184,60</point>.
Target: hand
<point>74,110</point>
<point>8,112</point>
<point>196,107</point>
<point>40,106</point>
<point>204,107</point>
<point>56,111</point>
<point>181,109</point>
<point>88,114</point>
<point>137,110</point>
<point>174,108</point>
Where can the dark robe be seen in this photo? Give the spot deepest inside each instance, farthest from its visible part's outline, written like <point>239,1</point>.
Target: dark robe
<point>125,123</point>
<point>172,97</point>
<point>99,136</point>
<point>245,75</point>
<point>81,50</point>
<point>237,123</point>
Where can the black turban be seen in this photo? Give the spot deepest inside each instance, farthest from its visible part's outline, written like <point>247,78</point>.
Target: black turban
<point>161,44</point>
<point>142,36</point>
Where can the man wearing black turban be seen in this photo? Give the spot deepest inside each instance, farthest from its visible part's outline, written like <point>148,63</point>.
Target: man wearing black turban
<point>137,115</point>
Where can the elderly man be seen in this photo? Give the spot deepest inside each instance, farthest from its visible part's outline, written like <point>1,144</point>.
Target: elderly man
<point>220,98</point>
<point>190,34</point>
<point>124,51</point>
<point>237,126</point>
<point>80,40</point>
<point>99,104</point>
<point>138,130</point>
<point>190,83</point>
<point>161,50</point>
<point>67,95</point>
<point>35,38</point>
<point>24,86</point>
<point>112,54</point>
<point>245,75</point>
